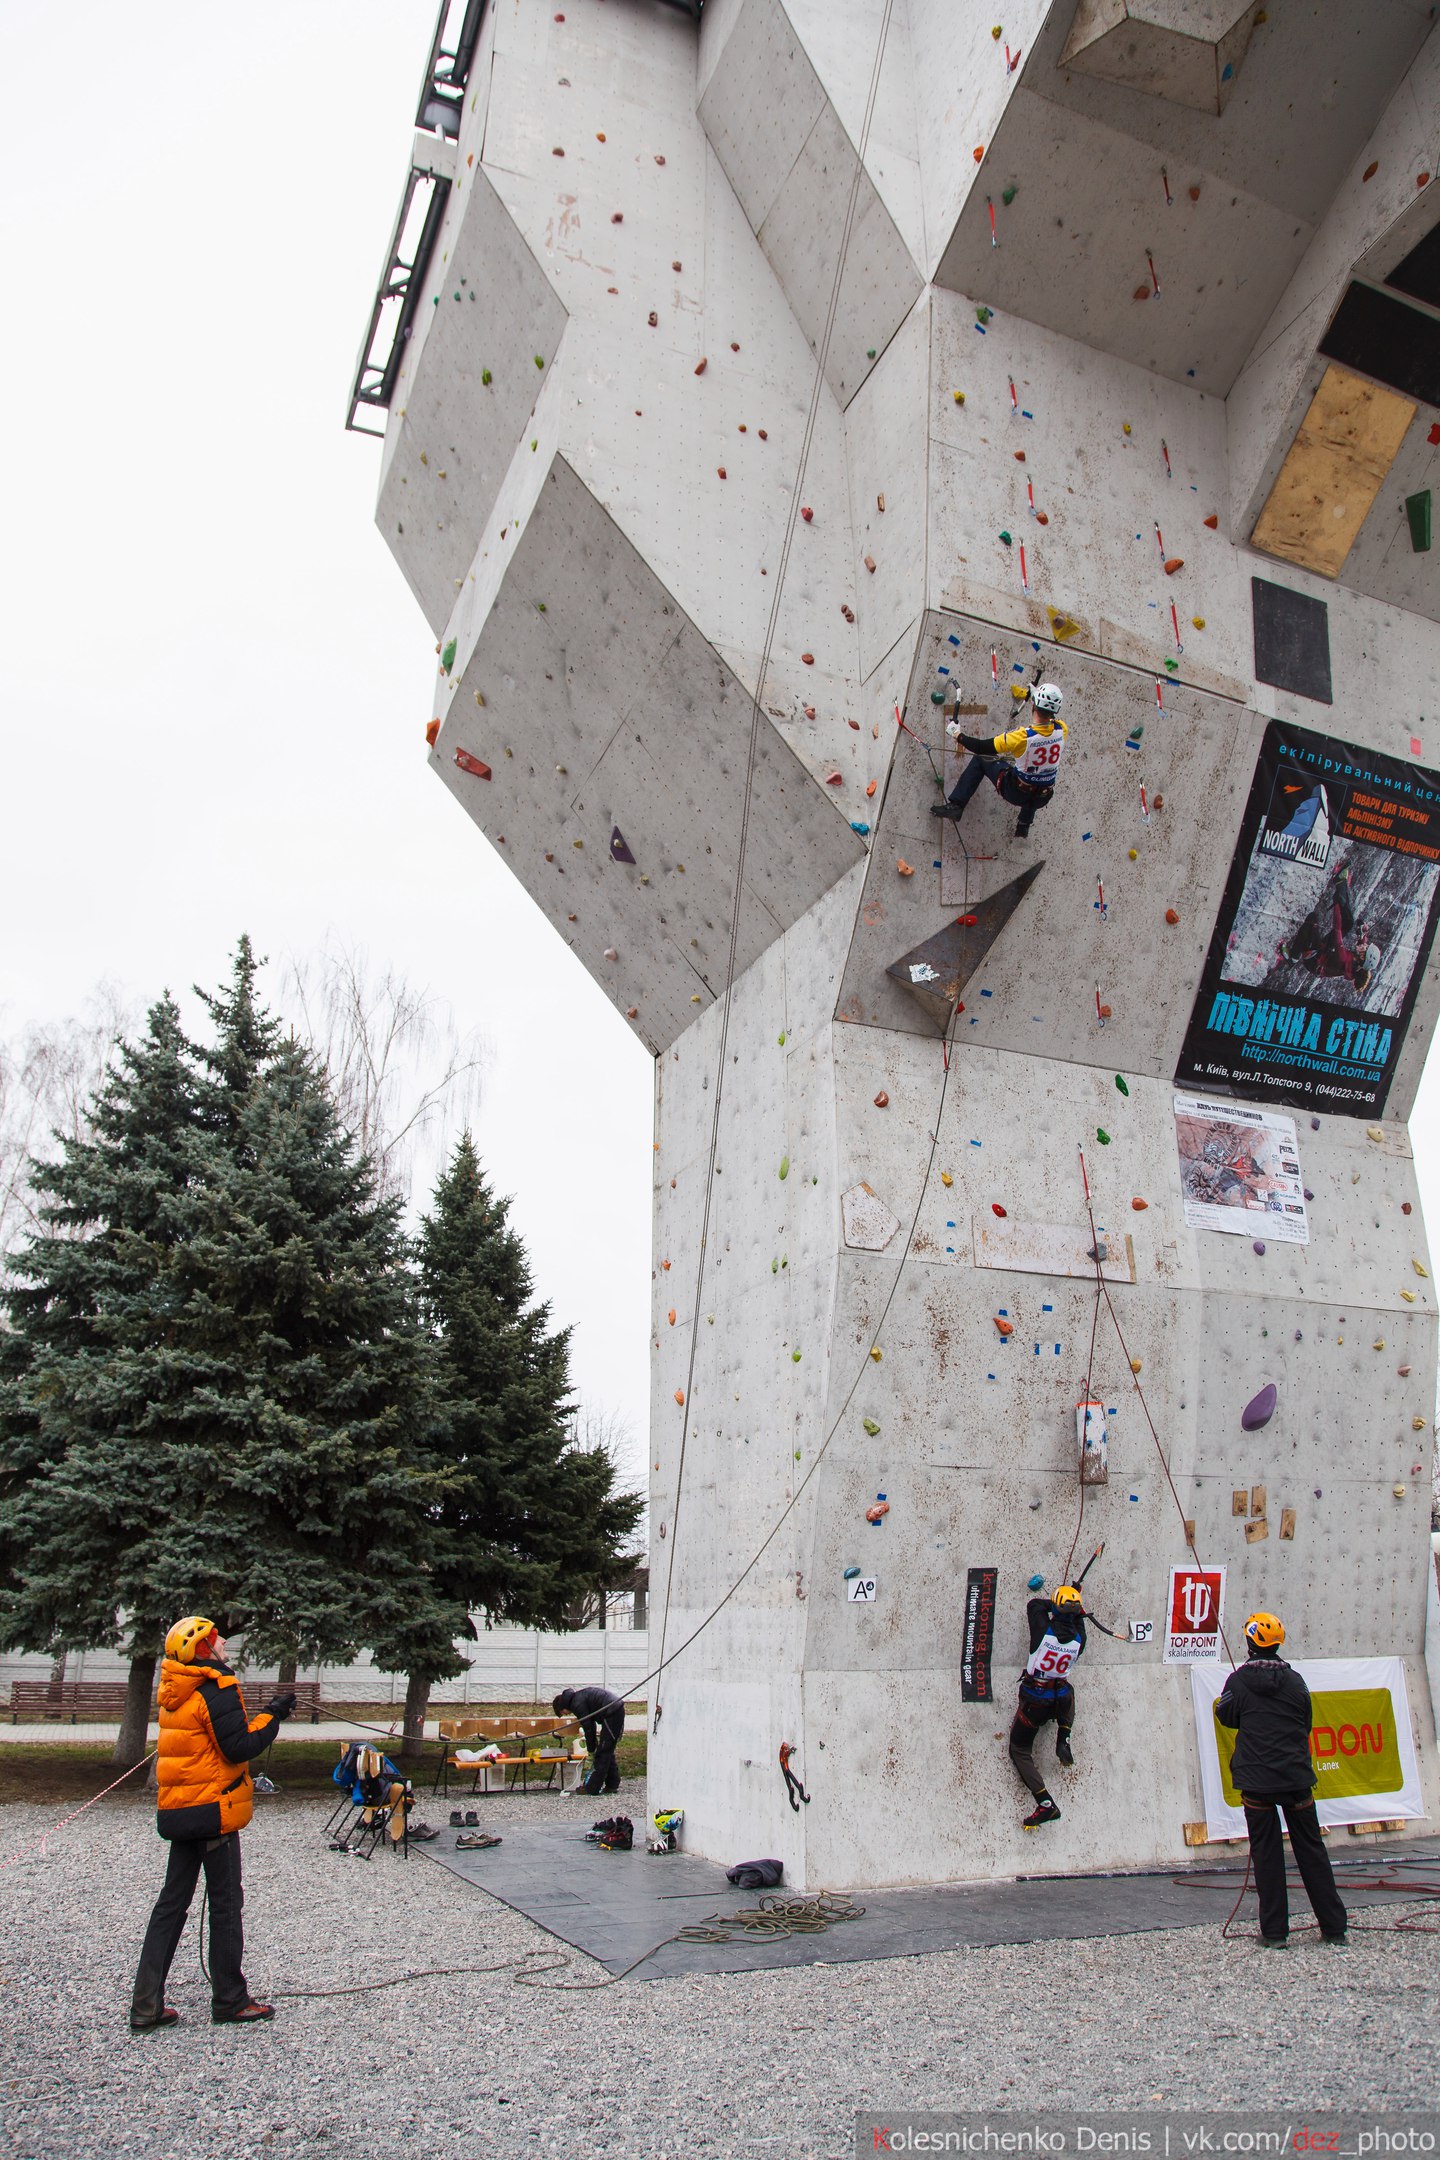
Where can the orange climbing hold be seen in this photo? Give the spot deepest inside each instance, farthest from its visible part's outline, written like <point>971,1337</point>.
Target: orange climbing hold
<point>700,366</point>
<point>877,1511</point>
<point>721,471</point>
<point>1171,916</point>
<point>432,729</point>
<point>1005,1327</point>
<point>871,786</point>
<point>882,1100</point>
<point>1141,292</point>
<point>680,1396</point>
<point>870,564</point>
<point>632,1012</point>
<point>1173,563</point>
<point>809,712</point>
<point>670,1316</point>
<point>1019,456</point>
<point>1212,521</point>
<point>1139,1206</point>
<point>978,152</point>
<point>905,869</point>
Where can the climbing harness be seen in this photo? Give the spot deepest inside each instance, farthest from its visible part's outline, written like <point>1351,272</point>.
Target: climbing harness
<point>794,1791</point>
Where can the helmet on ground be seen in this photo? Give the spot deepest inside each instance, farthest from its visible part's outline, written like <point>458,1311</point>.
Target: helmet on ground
<point>1047,697</point>
<point>185,1638</point>
<point>1067,1594</point>
<point>1265,1630</point>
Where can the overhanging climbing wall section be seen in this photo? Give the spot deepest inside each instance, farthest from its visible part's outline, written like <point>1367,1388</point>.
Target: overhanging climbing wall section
<point>893,1265</point>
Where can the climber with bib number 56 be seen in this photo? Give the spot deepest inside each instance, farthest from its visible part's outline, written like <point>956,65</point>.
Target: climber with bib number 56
<point>1057,1639</point>
<point>1021,764</point>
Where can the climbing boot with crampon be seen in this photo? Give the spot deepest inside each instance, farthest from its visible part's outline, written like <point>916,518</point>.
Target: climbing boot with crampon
<point>620,1837</point>
<point>1045,1812</point>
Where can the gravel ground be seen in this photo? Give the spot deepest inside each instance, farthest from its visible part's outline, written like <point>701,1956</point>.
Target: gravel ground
<point>775,2062</point>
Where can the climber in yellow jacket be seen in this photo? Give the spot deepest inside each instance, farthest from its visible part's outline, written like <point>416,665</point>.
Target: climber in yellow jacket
<point>1021,764</point>
<point>207,1744</point>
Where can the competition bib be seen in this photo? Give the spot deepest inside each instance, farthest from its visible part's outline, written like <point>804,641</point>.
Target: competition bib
<point>1041,760</point>
<point>1052,1659</point>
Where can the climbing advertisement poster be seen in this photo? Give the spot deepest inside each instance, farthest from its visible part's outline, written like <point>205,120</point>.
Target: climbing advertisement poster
<point>1361,1743</point>
<point>1324,929</point>
<point>975,1649</point>
<point>1240,1170</point>
<point>1194,1614</point>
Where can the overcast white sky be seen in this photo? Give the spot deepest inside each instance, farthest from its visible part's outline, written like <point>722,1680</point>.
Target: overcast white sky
<point>215,682</point>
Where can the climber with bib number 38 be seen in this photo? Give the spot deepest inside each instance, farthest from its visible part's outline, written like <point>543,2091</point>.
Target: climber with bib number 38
<point>1057,1639</point>
<point>1021,764</point>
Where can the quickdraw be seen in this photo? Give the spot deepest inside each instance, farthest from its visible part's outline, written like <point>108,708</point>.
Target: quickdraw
<point>793,1785</point>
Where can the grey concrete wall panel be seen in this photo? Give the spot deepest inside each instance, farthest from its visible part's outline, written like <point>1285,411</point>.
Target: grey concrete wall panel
<point>611,593</point>
<point>1264,174</point>
<point>453,434</point>
<point>794,184</point>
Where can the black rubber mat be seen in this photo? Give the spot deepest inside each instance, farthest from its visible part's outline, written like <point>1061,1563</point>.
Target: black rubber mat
<point>616,1906</point>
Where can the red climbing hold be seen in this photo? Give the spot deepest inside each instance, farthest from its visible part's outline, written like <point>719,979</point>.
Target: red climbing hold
<point>834,779</point>
<point>733,346</point>
<point>870,564</point>
<point>808,658</point>
<point>1141,292</point>
<point>654,319</point>
<point>472,765</point>
<point>1422,179</point>
<point>809,712</point>
<point>808,514</point>
<point>1371,169</point>
<point>882,1100</point>
<point>1212,521</point>
<point>996,1209</point>
<point>700,366</point>
<point>1171,917</point>
<point>968,921</point>
<point>432,729</point>
<point>1019,456</point>
<point>849,615</point>
<point>617,217</point>
<point>1434,434</point>
<point>721,471</point>
<point>1139,1206</point>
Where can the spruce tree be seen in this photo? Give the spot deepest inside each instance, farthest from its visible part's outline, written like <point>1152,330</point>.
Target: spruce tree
<point>231,1427</point>
<point>523,1512</point>
<point>88,1288</point>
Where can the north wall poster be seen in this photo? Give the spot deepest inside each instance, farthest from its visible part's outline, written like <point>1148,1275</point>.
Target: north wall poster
<point>1324,929</point>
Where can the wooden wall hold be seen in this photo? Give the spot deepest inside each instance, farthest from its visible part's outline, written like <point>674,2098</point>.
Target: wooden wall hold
<point>1287,1522</point>
<point>1257,1500</point>
<point>1189,1530</point>
<point>1240,1502</point>
<point>1256,1529</point>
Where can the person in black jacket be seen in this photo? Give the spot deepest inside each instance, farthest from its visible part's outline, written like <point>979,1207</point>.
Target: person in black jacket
<point>1267,1705</point>
<point>602,1721</point>
<point>1057,1639</point>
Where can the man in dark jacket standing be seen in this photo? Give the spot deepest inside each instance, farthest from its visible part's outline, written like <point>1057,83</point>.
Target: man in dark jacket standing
<point>207,1744</point>
<point>1267,1705</point>
<point>602,1721</point>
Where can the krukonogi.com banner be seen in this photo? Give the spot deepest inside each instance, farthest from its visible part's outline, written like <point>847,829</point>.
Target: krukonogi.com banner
<point>1360,1743</point>
<point>1324,930</point>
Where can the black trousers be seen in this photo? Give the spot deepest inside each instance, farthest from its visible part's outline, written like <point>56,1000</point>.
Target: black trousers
<point>1008,785</point>
<point>603,1775</point>
<point>1032,1712</point>
<point>220,1858</point>
<point>1267,1852</point>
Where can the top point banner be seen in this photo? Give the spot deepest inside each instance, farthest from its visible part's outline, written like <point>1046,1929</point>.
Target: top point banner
<point>1324,929</point>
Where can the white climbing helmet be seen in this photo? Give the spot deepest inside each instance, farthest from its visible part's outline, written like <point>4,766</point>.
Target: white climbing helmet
<point>1046,697</point>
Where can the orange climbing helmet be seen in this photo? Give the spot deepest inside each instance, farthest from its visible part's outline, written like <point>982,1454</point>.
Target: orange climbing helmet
<point>1067,1594</point>
<point>1264,1631</point>
<point>185,1638</point>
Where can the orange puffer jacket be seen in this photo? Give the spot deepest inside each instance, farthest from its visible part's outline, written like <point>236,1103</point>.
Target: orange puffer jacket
<point>206,1746</point>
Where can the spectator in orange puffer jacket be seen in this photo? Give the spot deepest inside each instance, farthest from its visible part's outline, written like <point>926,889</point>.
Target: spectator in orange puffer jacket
<point>206,1746</point>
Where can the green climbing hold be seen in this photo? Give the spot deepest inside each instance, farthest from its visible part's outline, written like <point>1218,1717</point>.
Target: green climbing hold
<point>455,296</point>
<point>784,1168</point>
<point>534,445</point>
<point>1005,537</point>
<point>485,376</point>
<point>937,697</point>
<point>794,1357</point>
<point>871,1427</point>
<point>447,658</point>
<point>1122,1083</point>
<point>1008,194</point>
<point>538,361</point>
<point>1174,666</point>
<point>540,604</point>
<point>1102,1136</point>
<point>774,1267</point>
<point>984,314</point>
<point>871,353</point>
<point>780,1038</point>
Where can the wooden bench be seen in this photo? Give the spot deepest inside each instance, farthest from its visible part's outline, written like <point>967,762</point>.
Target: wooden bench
<point>519,1738</point>
<point>36,1700</point>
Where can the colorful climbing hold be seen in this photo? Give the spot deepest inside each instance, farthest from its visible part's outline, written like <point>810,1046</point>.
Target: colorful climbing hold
<point>701,365</point>
<point>1171,916</point>
<point>1004,1327</point>
<point>905,869</point>
<point>945,1178</point>
<point>996,1209</point>
<point>882,1100</point>
<point>870,1426</point>
<point>1419,1270</point>
<point>680,1397</point>
<point>808,514</point>
<point>877,1353</point>
<point>1007,195</point>
<point>1259,1247</point>
<point>1122,1083</point>
<point>1139,1206</point>
<point>432,729</point>
<point>1259,1410</point>
<point>1102,1136</point>
<point>784,1168</point>
<point>447,658</point>
<point>470,764</point>
<point>878,1511</point>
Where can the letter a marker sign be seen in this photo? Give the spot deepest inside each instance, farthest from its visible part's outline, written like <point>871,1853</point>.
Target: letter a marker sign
<point>1193,1615</point>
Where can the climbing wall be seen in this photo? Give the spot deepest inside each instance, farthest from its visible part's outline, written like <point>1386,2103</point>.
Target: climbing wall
<point>773,398</point>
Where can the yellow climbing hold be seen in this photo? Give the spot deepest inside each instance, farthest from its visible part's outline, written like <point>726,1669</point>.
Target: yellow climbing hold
<point>1409,1296</point>
<point>1136,1364</point>
<point>1419,1270</point>
<point>1417,1424</point>
<point>1134,854</point>
<point>877,1353</point>
<point>1379,1342</point>
<point>870,1426</point>
<point>945,1178</point>
<point>1375,1133</point>
<point>1198,621</point>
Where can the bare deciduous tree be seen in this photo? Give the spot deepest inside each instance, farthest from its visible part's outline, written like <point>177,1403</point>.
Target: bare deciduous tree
<point>402,1073</point>
<point>48,1075</point>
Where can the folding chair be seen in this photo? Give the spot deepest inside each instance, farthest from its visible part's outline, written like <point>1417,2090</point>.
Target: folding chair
<point>375,1802</point>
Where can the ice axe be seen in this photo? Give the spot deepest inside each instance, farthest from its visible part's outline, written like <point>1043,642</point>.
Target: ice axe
<point>1089,1563</point>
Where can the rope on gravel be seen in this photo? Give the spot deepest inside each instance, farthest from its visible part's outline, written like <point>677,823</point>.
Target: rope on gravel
<point>38,1844</point>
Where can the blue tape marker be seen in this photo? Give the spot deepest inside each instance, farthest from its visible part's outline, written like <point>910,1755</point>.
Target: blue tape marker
<point>987,993</point>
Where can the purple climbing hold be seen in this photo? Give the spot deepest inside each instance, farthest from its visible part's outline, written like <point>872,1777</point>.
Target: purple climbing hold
<point>1314,1124</point>
<point>1308,1194</point>
<point>619,852</point>
<point>1259,1410</point>
<point>1318,1494</point>
<point>1298,1336</point>
<point>1259,1245</point>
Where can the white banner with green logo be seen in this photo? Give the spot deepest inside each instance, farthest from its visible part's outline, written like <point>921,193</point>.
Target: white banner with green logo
<point>1361,1745</point>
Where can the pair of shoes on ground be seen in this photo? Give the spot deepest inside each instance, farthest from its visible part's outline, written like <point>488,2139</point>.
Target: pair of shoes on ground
<point>475,1841</point>
<point>421,1833</point>
<point>250,2013</point>
<point>615,1834</point>
<point>1282,1942</point>
<point>468,1821</point>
